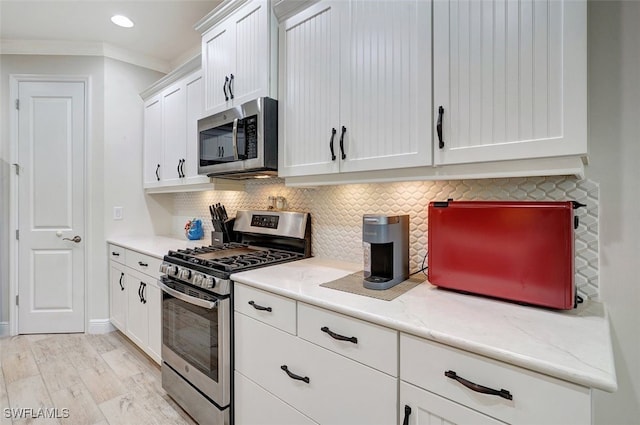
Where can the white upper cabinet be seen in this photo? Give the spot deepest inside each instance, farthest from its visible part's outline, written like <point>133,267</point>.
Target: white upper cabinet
<point>309,107</point>
<point>152,161</point>
<point>236,54</point>
<point>355,87</point>
<point>174,132</point>
<point>172,109</point>
<point>510,77</point>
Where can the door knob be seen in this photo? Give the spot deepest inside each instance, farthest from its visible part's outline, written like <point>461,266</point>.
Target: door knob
<point>75,239</point>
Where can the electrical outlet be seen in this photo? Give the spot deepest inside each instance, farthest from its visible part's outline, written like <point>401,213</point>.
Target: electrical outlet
<point>117,213</point>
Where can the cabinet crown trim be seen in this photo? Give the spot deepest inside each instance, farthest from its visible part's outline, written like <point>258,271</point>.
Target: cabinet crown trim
<point>224,9</point>
<point>192,65</point>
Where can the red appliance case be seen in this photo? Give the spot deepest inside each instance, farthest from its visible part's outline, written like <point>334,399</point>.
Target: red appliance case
<point>519,251</point>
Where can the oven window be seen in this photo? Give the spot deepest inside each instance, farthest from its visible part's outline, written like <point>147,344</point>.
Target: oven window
<point>192,333</point>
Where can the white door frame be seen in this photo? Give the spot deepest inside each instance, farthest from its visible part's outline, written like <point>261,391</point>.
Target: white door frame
<point>14,80</point>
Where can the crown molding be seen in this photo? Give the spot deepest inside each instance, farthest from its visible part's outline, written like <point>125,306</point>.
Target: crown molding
<point>81,48</point>
<point>190,66</point>
<point>224,9</point>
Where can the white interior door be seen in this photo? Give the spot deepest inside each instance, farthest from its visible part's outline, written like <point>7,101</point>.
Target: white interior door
<point>51,267</point>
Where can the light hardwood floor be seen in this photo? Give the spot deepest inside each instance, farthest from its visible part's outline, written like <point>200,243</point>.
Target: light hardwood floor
<point>100,379</point>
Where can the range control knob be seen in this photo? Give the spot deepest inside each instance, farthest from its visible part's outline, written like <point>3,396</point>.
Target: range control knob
<point>197,280</point>
<point>163,268</point>
<point>173,270</point>
<point>208,282</point>
<point>185,274</point>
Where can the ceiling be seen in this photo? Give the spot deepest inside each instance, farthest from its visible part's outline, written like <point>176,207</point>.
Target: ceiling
<point>163,29</point>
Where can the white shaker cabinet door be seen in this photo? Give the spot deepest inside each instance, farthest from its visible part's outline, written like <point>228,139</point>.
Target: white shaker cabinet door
<point>309,116</point>
<point>251,71</point>
<point>385,85</point>
<point>174,133</point>
<point>510,78</point>
<point>153,296</point>
<point>137,310</point>
<point>118,296</point>
<point>152,142</point>
<point>420,407</point>
<point>195,107</point>
<point>218,55</point>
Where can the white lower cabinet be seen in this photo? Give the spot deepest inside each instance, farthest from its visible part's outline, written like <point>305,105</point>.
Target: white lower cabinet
<point>117,295</point>
<point>135,302</point>
<point>323,385</point>
<point>420,407</point>
<point>257,406</point>
<point>465,380</point>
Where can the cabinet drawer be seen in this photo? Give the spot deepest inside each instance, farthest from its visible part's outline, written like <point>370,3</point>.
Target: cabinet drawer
<point>338,391</point>
<point>116,253</point>
<point>373,345</point>
<point>255,405</point>
<point>424,363</point>
<point>268,308</point>
<point>143,263</point>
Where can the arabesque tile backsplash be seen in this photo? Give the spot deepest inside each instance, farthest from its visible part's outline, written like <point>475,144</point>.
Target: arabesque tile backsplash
<point>337,211</point>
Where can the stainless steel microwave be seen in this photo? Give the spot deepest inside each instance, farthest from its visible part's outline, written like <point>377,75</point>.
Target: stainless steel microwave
<point>241,142</point>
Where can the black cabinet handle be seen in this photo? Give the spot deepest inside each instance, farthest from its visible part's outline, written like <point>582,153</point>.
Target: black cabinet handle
<point>182,161</point>
<point>407,413</point>
<point>143,286</point>
<point>157,176</point>
<point>344,130</point>
<point>224,88</point>
<point>294,376</point>
<point>120,282</point>
<point>231,86</point>
<point>439,127</point>
<point>178,167</point>
<point>259,307</point>
<point>478,388</point>
<point>115,254</point>
<point>333,135</point>
<point>339,337</point>
<point>141,264</point>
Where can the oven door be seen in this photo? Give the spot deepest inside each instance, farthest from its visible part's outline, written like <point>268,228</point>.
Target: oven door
<point>196,338</point>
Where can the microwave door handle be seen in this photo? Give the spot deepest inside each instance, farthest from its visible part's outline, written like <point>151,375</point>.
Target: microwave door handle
<point>234,139</point>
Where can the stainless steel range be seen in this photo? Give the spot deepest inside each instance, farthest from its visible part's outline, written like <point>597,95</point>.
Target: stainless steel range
<point>197,307</point>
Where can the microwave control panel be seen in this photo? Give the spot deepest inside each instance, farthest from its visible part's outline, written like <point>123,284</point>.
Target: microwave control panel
<point>251,136</point>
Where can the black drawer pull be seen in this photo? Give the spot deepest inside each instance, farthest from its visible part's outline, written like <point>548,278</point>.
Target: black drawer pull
<point>333,135</point>
<point>478,388</point>
<point>294,376</point>
<point>339,337</point>
<point>115,254</point>
<point>259,307</point>
<point>344,130</point>
<point>407,413</point>
<point>439,127</point>
<point>141,264</point>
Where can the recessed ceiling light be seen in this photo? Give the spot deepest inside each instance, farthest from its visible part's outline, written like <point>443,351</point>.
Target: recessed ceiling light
<point>122,21</point>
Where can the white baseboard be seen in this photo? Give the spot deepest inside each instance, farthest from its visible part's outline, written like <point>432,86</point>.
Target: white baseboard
<point>4,329</point>
<point>100,326</point>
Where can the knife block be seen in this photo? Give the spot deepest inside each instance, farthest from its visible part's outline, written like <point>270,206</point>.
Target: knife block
<point>226,236</point>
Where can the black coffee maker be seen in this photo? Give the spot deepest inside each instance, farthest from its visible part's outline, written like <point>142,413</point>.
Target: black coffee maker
<point>386,250</point>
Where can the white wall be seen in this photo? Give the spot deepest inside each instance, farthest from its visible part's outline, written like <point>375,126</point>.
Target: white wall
<point>123,154</point>
<point>614,144</point>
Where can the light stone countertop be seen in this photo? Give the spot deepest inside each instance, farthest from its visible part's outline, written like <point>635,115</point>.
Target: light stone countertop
<point>156,246</point>
<point>571,345</point>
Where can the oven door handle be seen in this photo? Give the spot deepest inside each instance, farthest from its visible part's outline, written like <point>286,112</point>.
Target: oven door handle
<point>186,298</point>
<point>234,139</point>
